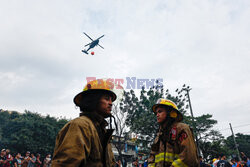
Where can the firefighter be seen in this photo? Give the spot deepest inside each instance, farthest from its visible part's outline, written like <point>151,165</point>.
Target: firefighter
<point>174,144</point>
<point>85,141</point>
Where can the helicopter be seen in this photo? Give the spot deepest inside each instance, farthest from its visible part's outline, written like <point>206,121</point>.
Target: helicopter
<point>92,44</point>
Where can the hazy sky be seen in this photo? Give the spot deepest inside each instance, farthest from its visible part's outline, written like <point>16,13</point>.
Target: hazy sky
<point>205,44</point>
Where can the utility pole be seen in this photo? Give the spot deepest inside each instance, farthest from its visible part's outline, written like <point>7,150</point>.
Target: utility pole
<point>236,146</point>
<point>187,89</point>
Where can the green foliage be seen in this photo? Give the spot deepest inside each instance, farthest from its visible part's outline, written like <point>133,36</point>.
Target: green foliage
<point>211,144</point>
<point>29,131</point>
<point>140,118</point>
<point>201,123</point>
<point>243,142</point>
<point>210,141</point>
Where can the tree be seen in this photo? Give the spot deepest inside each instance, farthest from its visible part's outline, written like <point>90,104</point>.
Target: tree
<point>210,141</point>
<point>140,118</point>
<point>4,116</point>
<point>121,128</point>
<point>29,131</point>
<point>243,142</point>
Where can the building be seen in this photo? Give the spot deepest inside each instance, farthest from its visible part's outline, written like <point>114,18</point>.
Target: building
<point>131,148</point>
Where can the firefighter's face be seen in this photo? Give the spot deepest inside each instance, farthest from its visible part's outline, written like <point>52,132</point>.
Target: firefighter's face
<point>105,106</point>
<point>161,114</point>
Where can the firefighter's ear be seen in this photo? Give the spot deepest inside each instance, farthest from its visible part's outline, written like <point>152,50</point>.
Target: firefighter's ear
<point>173,114</point>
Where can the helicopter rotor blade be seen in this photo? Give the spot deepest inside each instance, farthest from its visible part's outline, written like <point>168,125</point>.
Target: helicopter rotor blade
<point>88,44</point>
<point>88,36</point>
<point>100,37</point>
<point>101,46</point>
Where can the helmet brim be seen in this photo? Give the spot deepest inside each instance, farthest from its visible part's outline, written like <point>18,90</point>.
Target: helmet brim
<point>79,97</point>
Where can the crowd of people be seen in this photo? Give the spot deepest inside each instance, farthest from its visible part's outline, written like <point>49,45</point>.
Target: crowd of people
<point>28,160</point>
<point>222,161</point>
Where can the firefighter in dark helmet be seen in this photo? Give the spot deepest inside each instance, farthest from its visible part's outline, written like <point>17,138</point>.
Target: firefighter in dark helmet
<point>85,141</point>
<point>174,144</point>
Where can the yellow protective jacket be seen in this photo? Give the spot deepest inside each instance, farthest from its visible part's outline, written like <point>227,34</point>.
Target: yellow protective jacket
<point>175,147</point>
<point>81,143</point>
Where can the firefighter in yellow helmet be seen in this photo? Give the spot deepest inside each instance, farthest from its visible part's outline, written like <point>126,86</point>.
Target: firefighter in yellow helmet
<point>85,141</point>
<point>174,144</point>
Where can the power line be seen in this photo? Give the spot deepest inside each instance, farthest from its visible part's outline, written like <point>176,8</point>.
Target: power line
<point>224,129</point>
<point>244,133</point>
<point>234,127</point>
<point>241,125</point>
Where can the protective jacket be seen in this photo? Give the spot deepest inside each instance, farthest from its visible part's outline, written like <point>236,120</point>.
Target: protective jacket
<point>175,146</point>
<point>82,142</point>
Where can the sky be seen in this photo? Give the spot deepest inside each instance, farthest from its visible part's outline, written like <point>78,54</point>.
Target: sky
<point>203,44</point>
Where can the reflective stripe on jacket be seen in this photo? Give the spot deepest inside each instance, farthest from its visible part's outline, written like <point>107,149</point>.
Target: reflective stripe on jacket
<point>78,144</point>
<point>178,150</point>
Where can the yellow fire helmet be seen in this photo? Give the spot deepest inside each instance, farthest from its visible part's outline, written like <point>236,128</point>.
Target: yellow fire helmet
<point>98,85</point>
<point>174,113</point>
